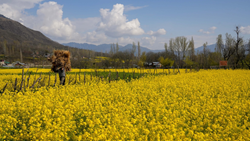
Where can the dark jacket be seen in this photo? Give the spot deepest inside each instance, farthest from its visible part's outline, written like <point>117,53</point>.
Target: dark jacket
<point>61,72</point>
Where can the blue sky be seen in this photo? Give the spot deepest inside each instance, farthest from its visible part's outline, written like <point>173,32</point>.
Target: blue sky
<point>152,23</point>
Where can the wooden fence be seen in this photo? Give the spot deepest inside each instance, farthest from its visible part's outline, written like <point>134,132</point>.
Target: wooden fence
<point>25,79</point>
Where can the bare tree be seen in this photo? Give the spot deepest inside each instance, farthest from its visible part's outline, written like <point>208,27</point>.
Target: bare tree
<point>238,46</point>
<point>181,47</point>
<point>184,47</point>
<point>247,57</point>
<point>228,49</point>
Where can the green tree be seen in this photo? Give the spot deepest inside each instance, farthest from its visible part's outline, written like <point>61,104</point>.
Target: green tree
<point>142,59</point>
<point>188,62</point>
<point>166,62</point>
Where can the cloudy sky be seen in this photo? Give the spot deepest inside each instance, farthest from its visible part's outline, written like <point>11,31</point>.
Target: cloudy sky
<point>152,23</point>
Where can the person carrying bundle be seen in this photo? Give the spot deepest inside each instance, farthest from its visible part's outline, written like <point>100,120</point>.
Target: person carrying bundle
<point>61,64</point>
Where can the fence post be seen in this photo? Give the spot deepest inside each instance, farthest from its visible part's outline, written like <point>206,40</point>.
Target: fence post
<point>55,80</point>
<point>25,80</point>
<point>40,80</point>
<point>15,84</point>
<point>49,80</point>
<point>123,75</point>
<point>117,75</point>
<point>35,82</point>
<point>22,80</point>
<point>84,78</point>
<point>28,79</point>
<point>109,76</point>
<point>75,77</point>
<point>70,79</point>
<point>4,88</point>
<point>80,75</point>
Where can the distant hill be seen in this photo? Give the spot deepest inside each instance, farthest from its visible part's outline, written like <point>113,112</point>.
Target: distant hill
<point>98,48</point>
<point>209,47</point>
<point>106,47</point>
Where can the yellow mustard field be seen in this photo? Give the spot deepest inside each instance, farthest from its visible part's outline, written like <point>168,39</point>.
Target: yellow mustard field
<point>205,105</point>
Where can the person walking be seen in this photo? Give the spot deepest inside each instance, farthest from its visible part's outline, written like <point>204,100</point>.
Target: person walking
<point>62,74</point>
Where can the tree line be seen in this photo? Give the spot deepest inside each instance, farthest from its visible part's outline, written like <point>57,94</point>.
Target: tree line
<point>180,52</point>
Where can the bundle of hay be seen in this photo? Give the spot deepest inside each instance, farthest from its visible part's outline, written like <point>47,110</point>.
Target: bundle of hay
<point>60,59</point>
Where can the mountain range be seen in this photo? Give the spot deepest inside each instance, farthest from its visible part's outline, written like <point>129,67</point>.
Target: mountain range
<point>106,47</point>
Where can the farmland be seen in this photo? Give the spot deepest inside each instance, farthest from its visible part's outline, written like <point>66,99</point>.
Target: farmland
<point>155,105</point>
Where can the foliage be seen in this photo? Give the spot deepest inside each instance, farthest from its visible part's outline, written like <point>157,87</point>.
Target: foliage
<point>166,62</point>
<point>188,62</point>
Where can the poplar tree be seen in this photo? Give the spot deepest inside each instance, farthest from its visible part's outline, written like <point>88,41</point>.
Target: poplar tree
<point>166,47</point>
<point>192,51</point>
<point>111,50</point>
<point>139,51</point>
<point>219,44</point>
<point>133,48</point>
<point>117,47</point>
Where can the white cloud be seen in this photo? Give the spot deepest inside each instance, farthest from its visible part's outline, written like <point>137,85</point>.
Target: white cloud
<point>130,7</point>
<point>49,21</point>
<point>115,24</point>
<point>212,29</point>
<point>245,30</point>
<point>125,41</point>
<point>14,9</point>
<point>157,33</point>
<point>94,37</point>
<point>9,12</point>
<point>148,40</point>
